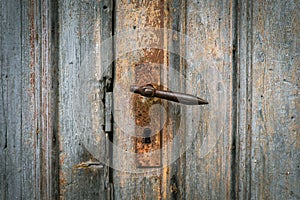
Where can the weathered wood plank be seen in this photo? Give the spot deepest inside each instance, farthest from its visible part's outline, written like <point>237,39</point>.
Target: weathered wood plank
<point>28,158</point>
<point>175,184</point>
<point>172,176</point>
<point>31,101</point>
<point>84,25</point>
<point>271,77</point>
<point>243,137</point>
<point>48,82</point>
<point>11,83</point>
<point>210,75</point>
<point>139,60</point>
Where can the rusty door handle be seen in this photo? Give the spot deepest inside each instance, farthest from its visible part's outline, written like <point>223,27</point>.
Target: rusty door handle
<point>150,91</point>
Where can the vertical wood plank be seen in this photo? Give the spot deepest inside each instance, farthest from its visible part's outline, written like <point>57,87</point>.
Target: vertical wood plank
<point>11,84</point>
<point>210,75</point>
<point>31,101</point>
<point>270,119</point>
<point>175,185</point>
<point>243,179</point>
<point>47,23</point>
<point>139,60</point>
<point>171,179</point>
<point>83,81</point>
<point>28,152</point>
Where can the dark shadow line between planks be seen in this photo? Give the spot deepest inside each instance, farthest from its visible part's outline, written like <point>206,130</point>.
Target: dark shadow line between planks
<point>110,89</point>
<point>55,74</point>
<point>235,83</point>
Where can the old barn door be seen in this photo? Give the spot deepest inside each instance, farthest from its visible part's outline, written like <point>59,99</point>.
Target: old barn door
<point>163,149</point>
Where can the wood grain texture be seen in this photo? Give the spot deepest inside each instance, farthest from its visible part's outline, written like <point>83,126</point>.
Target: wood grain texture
<point>56,91</point>
<point>208,26</point>
<point>210,75</point>
<point>11,84</point>
<point>28,148</point>
<point>243,140</point>
<point>174,186</point>
<point>84,25</point>
<point>137,62</point>
<point>269,100</point>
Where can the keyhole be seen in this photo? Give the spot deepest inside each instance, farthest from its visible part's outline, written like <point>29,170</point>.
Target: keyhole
<point>147,135</point>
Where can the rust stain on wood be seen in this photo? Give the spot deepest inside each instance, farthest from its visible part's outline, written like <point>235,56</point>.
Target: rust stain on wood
<point>143,19</point>
<point>147,71</point>
<point>146,63</point>
<point>148,154</point>
<point>62,176</point>
<point>32,39</point>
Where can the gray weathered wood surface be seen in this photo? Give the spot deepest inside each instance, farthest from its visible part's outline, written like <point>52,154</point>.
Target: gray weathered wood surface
<point>29,167</point>
<point>268,145</point>
<point>211,74</point>
<point>56,77</point>
<point>83,27</point>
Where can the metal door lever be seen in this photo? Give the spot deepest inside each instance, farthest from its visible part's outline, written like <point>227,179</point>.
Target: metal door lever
<point>150,91</point>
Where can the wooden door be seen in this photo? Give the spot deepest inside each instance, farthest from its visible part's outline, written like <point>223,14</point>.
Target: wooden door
<point>71,129</point>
